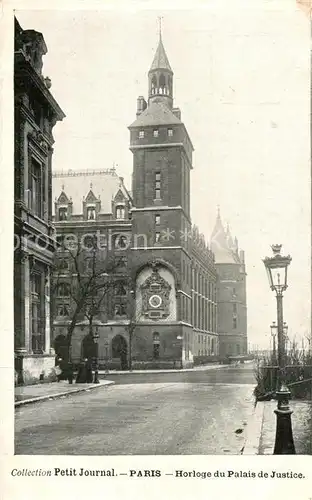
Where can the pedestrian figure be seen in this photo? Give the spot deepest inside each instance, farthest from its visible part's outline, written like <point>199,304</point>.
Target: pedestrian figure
<point>82,373</point>
<point>70,373</point>
<point>58,368</point>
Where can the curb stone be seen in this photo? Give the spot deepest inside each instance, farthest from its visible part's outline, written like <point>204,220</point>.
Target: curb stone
<point>254,431</point>
<point>62,394</point>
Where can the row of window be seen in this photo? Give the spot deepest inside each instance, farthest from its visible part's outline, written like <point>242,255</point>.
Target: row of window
<point>155,133</point>
<point>86,242</point>
<point>63,265</point>
<point>204,314</point>
<point>202,285</point>
<point>120,213</point>
<point>64,290</point>
<point>63,310</point>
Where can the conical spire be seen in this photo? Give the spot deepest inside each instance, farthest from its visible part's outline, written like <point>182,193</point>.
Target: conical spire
<point>160,60</point>
<point>220,243</point>
<point>229,236</point>
<point>218,233</point>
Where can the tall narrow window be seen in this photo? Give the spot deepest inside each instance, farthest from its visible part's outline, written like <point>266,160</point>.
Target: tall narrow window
<point>170,132</point>
<point>157,185</point>
<point>63,213</point>
<point>37,313</point>
<point>120,212</point>
<point>141,134</point>
<point>234,323</point>
<point>157,220</point>
<point>157,237</point>
<point>36,188</point>
<point>155,133</point>
<point>234,308</point>
<point>91,213</point>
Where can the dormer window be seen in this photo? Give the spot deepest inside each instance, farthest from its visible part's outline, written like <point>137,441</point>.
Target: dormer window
<point>62,213</point>
<point>90,213</point>
<point>120,212</point>
<point>141,134</point>
<point>155,133</point>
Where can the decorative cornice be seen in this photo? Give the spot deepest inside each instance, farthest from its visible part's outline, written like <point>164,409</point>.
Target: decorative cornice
<point>157,146</point>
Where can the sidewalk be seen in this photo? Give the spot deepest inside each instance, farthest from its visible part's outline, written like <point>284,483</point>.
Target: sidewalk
<point>40,392</point>
<point>262,427</point>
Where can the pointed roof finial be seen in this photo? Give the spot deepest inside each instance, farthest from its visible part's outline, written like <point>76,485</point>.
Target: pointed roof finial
<point>159,26</point>
<point>63,187</point>
<point>91,185</point>
<point>218,212</point>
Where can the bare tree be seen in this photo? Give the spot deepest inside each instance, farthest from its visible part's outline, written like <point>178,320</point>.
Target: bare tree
<point>84,275</point>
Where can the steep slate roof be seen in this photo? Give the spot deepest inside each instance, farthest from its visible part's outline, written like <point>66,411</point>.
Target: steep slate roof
<point>78,184</point>
<point>160,60</point>
<point>157,113</point>
<point>220,245</point>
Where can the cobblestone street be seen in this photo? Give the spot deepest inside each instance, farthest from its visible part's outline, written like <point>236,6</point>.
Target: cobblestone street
<point>169,417</point>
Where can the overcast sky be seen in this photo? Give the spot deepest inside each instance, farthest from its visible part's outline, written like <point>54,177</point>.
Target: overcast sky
<point>241,79</point>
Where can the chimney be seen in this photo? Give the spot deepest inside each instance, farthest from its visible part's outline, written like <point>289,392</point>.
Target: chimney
<point>141,105</point>
<point>177,112</point>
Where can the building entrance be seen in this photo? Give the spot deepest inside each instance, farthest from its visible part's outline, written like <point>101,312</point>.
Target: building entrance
<point>120,350</point>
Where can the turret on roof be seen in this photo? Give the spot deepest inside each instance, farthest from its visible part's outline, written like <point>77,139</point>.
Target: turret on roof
<point>222,244</point>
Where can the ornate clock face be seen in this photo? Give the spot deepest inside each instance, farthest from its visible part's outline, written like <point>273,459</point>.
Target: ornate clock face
<point>155,301</point>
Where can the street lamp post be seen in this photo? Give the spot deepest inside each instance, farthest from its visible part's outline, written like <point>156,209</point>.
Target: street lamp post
<point>96,364</point>
<point>273,335</point>
<point>276,267</point>
<point>286,339</point>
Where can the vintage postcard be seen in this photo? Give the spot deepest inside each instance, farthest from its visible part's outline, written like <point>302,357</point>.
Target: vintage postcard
<point>156,249</point>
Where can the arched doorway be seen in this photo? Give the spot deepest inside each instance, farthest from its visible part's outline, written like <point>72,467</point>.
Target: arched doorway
<point>120,350</point>
<point>88,347</point>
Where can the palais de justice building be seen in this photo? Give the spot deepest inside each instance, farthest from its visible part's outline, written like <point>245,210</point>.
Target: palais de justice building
<point>188,300</point>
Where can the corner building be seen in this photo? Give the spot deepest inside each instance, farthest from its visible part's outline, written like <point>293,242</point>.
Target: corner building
<point>172,267</point>
<point>36,113</point>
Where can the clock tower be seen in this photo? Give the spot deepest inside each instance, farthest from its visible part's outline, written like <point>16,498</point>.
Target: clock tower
<point>161,224</point>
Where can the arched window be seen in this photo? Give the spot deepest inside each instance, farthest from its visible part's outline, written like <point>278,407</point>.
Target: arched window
<point>154,85</point>
<point>120,241</point>
<point>62,213</point>
<point>90,213</point>
<point>120,212</point>
<point>170,85</point>
<point>63,290</point>
<point>162,84</point>
<point>63,310</point>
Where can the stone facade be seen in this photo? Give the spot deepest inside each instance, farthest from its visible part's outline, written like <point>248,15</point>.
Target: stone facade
<point>36,113</point>
<point>232,300</point>
<point>168,310</point>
